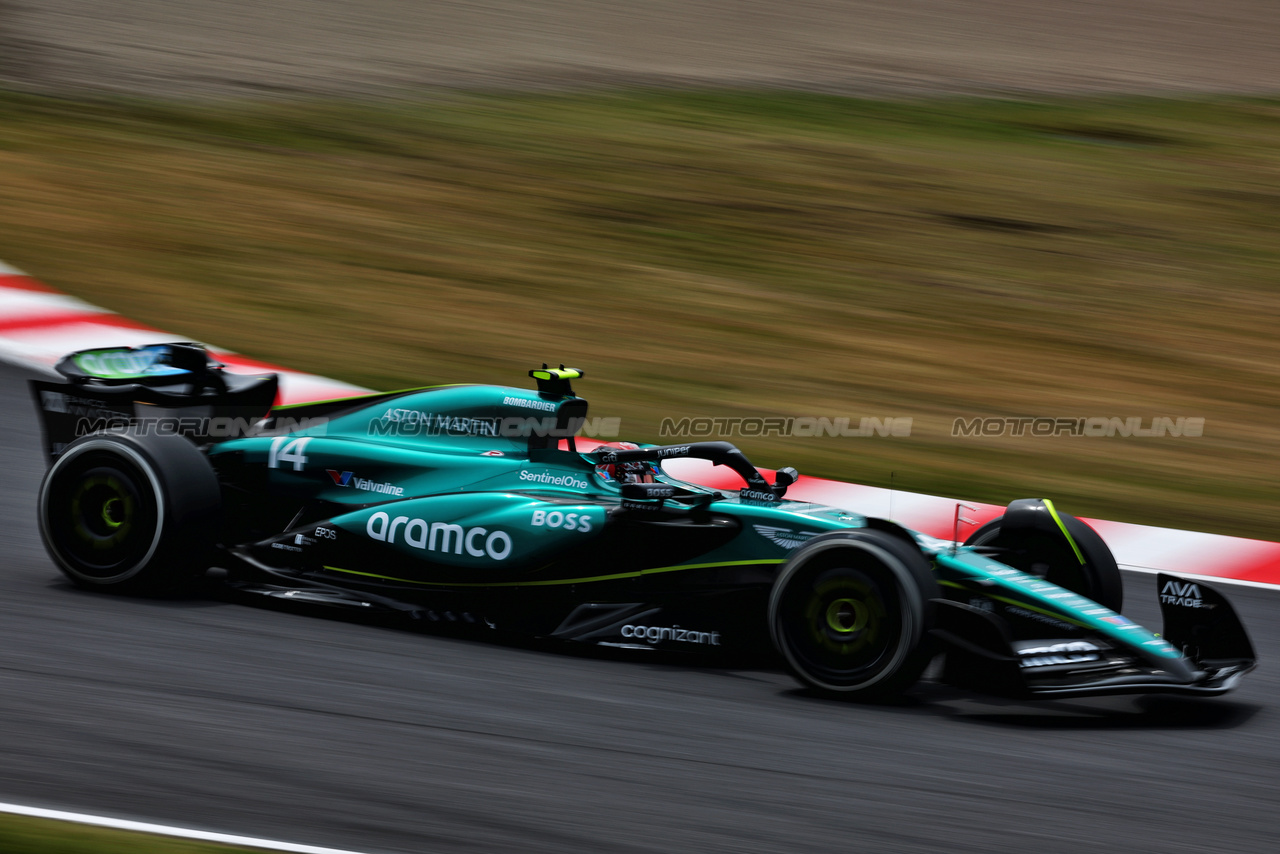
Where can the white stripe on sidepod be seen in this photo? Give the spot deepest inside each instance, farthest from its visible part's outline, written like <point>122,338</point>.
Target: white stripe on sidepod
<point>165,830</point>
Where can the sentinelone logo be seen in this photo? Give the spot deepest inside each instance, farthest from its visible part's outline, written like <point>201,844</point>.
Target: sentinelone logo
<point>549,479</point>
<point>1092,427</point>
<point>801,427</point>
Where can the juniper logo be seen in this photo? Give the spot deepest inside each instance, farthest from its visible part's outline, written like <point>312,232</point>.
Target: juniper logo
<point>784,537</point>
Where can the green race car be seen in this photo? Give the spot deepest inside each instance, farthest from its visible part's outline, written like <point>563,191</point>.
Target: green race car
<point>476,507</point>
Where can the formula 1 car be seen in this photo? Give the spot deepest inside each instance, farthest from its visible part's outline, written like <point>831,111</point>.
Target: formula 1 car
<point>475,506</point>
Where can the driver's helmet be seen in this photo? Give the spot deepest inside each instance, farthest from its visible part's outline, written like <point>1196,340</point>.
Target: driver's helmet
<point>633,472</point>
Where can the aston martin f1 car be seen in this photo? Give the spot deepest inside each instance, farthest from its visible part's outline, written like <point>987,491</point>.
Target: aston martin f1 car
<point>477,506</point>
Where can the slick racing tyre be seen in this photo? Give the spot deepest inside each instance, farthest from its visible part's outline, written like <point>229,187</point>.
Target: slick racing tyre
<point>130,513</point>
<point>851,612</point>
<point>1070,555</point>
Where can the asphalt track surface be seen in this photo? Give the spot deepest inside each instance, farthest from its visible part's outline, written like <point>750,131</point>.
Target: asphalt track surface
<point>225,717</point>
<point>322,47</point>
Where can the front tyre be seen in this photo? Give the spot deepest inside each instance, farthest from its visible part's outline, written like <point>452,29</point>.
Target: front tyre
<point>851,612</point>
<point>1038,539</point>
<point>130,513</point>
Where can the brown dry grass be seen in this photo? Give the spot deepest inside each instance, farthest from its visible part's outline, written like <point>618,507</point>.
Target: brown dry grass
<point>42,836</point>
<point>727,254</point>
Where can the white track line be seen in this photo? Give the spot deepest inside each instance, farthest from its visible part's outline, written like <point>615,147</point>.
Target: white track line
<point>165,830</point>
<point>1209,579</point>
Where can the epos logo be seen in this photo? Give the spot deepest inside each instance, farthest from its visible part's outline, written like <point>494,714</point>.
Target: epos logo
<point>439,536</point>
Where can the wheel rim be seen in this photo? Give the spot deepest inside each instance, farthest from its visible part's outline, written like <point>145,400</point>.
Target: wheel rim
<point>102,510</point>
<point>847,617</point>
<point>842,625</point>
<point>100,515</point>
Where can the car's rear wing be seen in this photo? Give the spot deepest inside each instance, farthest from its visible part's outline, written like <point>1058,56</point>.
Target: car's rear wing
<point>162,388</point>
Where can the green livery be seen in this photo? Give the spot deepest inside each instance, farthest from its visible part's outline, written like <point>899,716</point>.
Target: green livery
<point>479,509</point>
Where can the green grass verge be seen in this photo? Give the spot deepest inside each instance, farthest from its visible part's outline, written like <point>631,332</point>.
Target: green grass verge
<point>24,835</point>
<point>721,254</point>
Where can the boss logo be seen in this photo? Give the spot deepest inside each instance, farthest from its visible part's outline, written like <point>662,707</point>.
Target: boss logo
<point>556,519</point>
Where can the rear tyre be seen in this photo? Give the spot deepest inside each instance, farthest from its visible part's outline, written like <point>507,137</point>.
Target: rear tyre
<point>130,513</point>
<point>851,612</point>
<point>1050,556</point>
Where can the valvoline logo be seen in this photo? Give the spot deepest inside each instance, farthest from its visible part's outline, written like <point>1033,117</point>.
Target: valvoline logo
<point>346,478</point>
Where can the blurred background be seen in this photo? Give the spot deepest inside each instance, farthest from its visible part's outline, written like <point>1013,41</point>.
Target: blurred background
<point>930,209</point>
<point>923,209</point>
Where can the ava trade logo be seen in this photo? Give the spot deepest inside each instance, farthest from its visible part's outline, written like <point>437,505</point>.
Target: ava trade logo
<point>346,478</point>
<point>1184,594</point>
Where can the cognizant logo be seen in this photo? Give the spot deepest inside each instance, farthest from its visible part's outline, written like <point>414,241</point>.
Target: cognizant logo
<point>439,536</point>
<point>654,634</point>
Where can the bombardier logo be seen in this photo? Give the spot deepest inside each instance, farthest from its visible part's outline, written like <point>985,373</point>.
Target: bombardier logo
<point>526,403</point>
<point>1184,594</point>
<point>784,537</point>
<point>439,536</point>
